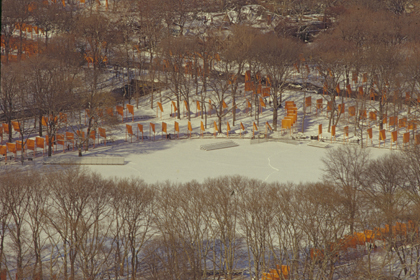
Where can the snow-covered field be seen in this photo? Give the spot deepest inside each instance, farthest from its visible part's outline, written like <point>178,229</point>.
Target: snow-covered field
<point>183,161</point>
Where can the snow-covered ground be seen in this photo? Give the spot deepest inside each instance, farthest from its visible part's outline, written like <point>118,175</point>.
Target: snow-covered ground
<point>183,161</point>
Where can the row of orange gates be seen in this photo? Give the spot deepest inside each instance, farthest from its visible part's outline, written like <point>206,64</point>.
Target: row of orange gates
<point>392,122</point>
<point>30,48</point>
<point>176,129</point>
<point>401,230</point>
<point>4,128</point>
<point>69,138</point>
<point>373,115</point>
<point>40,142</point>
<point>382,135</point>
<point>369,132</point>
<point>291,116</point>
<point>174,109</point>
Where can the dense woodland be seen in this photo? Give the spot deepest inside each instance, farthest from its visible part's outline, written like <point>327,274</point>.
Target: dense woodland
<point>73,224</point>
<point>361,221</point>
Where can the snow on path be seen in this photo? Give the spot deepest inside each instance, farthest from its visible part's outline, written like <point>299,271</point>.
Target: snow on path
<point>276,170</point>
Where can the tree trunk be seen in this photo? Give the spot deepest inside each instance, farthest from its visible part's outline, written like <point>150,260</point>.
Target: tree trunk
<point>304,111</point>
<point>19,257</point>
<point>205,117</point>
<point>235,87</point>
<point>188,107</point>
<point>203,94</point>
<point>40,125</point>
<point>257,107</point>
<point>133,263</point>
<point>38,260</point>
<point>64,260</point>
<point>275,111</point>
<point>2,237</point>
<point>23,147</point>
<point>234,107</point>
<point>88,133</point>
<point>9,123</point>
<point>72,265</point>
<point>49,146</point>
<point>179,108</point>
<point>7,48</point>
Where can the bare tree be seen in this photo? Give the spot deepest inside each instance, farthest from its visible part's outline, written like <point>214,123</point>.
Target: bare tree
<point>136,207</point>
<point>38,195</point>
<point>384,182</point>
<point>96,114</point>
<point>319,217</point>
<point>174,53</point>
<point>92,243</point>
<point>383,68</point>
<point>347,167</point>
<point>286,233</point>
<point>385,185</point>
<point>330,58</point>
<point>223,207</point>
<point>72,192</point>
<point>235,54</point>
<point>277,56</point>
<point>16,199</point>
<point>411,72</point>
<point>51,18</point>
<point>189,227</point>
<point>9,104</point>
<point>411,157</point>
<point>52,84</point>
<point>219,84</point>
<point>174,241</point>
<point>95,39</point>
<point>149,35</point>
<point>20,104</point>
<point>256,219</point>
<point>16,15</point>
<point>4,219</point>
<point>206,52</point>
<point>176,14</point>
<point>9,16</point>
